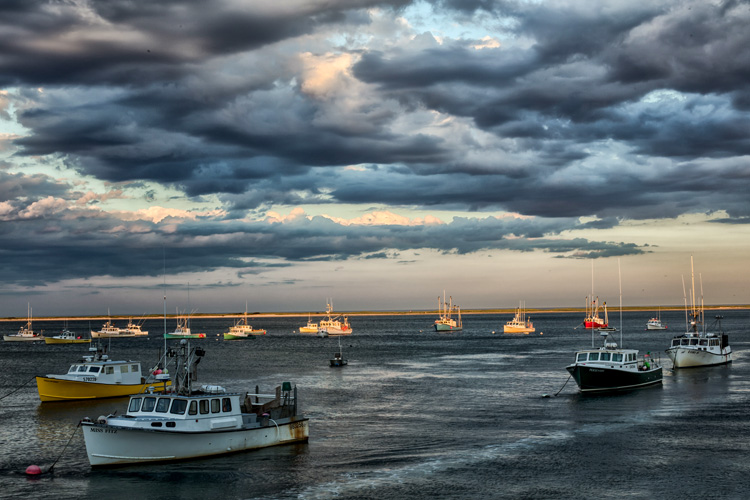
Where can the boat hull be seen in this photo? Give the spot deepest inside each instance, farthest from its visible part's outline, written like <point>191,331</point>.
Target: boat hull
<point>53,340</point>
<point>188,336</point>
<point>518,329</point>
<point>683,357</point>
<point>308,329</point>
<point>101,335</point>
<point>51,389</point>
<point>440,327</point>
<point>108,445</point>
<point>335,331</point>
<point>603,379</point>
<point>19,338</point>
<point>237,336</point>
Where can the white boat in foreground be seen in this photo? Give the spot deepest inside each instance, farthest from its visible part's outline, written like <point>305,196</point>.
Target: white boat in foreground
<point>183,423</point>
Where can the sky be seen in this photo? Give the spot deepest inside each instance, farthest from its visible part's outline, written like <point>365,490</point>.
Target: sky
<point>372,153</point>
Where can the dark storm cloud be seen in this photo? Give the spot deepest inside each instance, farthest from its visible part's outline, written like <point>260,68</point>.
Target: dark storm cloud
<point>44,245</point>
<point>603,111</point>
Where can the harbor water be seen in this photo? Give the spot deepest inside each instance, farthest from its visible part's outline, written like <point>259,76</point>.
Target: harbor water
<point>416,414</point>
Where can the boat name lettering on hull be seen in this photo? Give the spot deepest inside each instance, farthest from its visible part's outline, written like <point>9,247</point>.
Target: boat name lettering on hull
<point>106,431</point>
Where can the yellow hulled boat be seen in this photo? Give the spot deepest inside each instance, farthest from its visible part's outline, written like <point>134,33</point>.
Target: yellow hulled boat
<point>97,376</point>
<point>67,337</point>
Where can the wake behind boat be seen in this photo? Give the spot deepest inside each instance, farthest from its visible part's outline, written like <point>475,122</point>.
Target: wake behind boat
<point>697,347</point>
<point>182,423</point>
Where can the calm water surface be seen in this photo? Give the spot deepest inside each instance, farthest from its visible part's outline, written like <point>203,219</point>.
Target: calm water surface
<point>416,414</point>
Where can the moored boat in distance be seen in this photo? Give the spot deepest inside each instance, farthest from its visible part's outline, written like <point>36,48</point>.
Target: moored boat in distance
<point>697,347</point>
<point>26,332</point>
<point>520,323</point>
<point>592,319</point>
<point>181,423</point>
<point>242,329</point>
<point>182,330</point>
<point>133,329</point>
<point>334,325</point>
<point>446,322</point>
<point>95,376</point>
<point>338,358</point>
<point>66,337</point>
<point>311,326</point>
<point>655,323</point>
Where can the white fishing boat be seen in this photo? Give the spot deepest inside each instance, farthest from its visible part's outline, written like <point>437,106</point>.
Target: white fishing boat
<point>133,329</point>
<point>181,423</point>
<point>334,325</point>
<point>446,322</point>
<point>95,376</point>
<point>110,331</point>
<point>520,323</point>
<point>612,368</point>
<point>311,327</point>
<point>698,347</point>
<point>25,333</point>
<point>242,329</point>
<point>655,324</point>
<point>182,330</point>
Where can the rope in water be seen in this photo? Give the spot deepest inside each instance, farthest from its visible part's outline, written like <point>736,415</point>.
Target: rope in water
<point>18,388</point>
<point>66,446</point>
<point>563,386</point>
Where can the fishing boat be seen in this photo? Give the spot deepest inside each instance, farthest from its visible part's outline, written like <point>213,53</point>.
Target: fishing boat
<point>446,322</point>
<point>613,368</point>
<point>182,330</point>
<point>66,337</point>
<point>242,330</point>
<point>610,368</point>
<point>108,331</point>
<point>95,376</point>
<point>698,347</point>
<point>520,323</point>
<point>655,324</point>
<point>133,329</point>
<point>25,333</point>
<point>338,358</point>
<point>592,319</point>
<point>334,325</point>
<point>311,326</point>
<point>180,422</point>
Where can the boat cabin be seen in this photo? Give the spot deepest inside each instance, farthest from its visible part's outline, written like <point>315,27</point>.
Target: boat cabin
<point>701,342</point>
<point>619,358</point>
<point>105,372</point>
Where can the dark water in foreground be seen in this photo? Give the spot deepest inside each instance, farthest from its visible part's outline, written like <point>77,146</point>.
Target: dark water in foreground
<point>416,414</point>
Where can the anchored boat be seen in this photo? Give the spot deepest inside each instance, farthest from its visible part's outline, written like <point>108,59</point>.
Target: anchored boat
<point>520,323</point>
<point>182,423</point>
<point>25,333</point>
<point>332,325</point>
<point>94,376</point>
<point>242,330</point>
<point>311,326</point>
<point>697,347</point>
<point>66,337</point>
<point>338,358</point>
<point>446,323</point>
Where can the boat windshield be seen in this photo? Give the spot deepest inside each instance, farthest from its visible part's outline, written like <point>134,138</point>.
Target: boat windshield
<point>178,406</point>
<point>617,357</point>
<point>581,357</point>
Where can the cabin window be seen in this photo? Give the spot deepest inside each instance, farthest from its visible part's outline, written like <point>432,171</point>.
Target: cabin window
<point>605,356</point>
<point>215,405</point>
<point>162,405</point>
<point>617,357</point>
<point>94,369</point>
<point>148,404</point>
<point>675,342</point>
<point>593,356</point>
<point>82,368</point>
<point>109,370</point>
<point>703,342</point>
<point>226,404</point>
<point>693,341</point>
<point>73,369</point>
<point>135,404</point>
<point>581,357</point>
<point>685,342</point>
<point>193,408</point>
<point>204,406</point>
<point>178,406</point>
<point>713,342</point>
<point>135,368</point>
<point>124,368</point>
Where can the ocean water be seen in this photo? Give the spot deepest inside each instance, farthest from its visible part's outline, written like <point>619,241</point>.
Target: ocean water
<point>416,414</point>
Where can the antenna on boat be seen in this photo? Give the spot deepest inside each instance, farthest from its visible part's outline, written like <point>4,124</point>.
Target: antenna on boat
<point>619,278</point>
<point>164,256</point>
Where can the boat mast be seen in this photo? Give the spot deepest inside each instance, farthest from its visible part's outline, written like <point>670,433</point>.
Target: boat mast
<point>619,278</point>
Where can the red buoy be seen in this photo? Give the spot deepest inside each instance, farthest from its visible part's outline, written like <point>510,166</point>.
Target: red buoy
<point>33,470</point>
